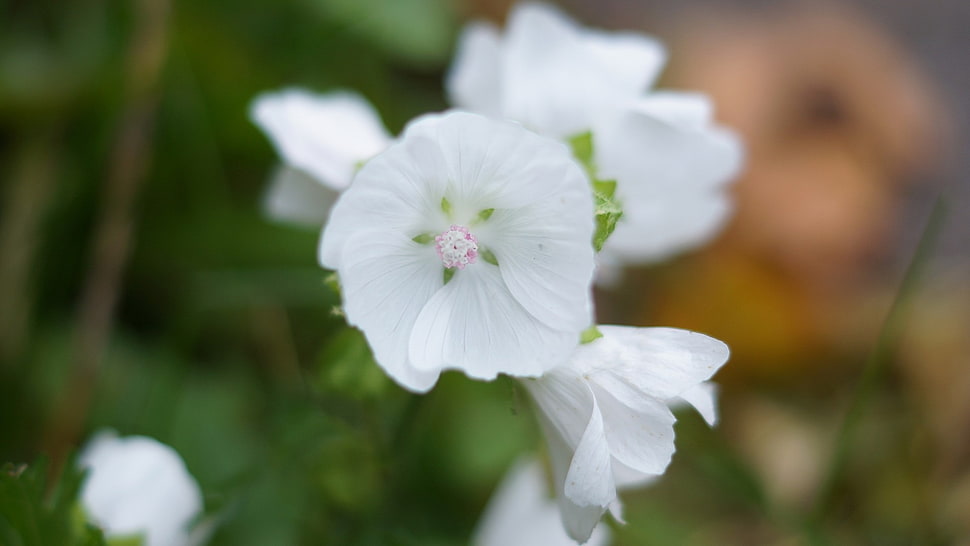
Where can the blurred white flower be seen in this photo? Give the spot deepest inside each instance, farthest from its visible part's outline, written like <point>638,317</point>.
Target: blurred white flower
<point>521,513</point>
<point>465,245</point>
<point>549,73</point>
<point>138,486</point>
<point>606,413</point>
<point>670,161</point>
<point>672,165</point>
<point>322,139</point>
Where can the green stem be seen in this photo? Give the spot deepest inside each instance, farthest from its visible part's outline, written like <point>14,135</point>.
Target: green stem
<point>876,362</point>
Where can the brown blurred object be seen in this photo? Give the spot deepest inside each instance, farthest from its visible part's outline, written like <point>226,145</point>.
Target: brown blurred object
<point>934,360</point>
<point>489,10</point>
<point>837,121</point>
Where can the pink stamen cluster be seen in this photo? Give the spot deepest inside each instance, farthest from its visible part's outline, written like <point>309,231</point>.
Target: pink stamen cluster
<point>456,247</point>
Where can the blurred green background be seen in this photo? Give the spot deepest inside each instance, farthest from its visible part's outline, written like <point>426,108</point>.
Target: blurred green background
<point>142,288</point>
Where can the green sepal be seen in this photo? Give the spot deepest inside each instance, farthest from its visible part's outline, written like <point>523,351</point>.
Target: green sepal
<point>487,255</point>
<point>590,335</point>
<point>446,207</point>
<point>483,215</point>
<point>607,211</point>
<point>582,146</point>
<point>332,281</point>
<point>423,239</point>
<point>448,274</point>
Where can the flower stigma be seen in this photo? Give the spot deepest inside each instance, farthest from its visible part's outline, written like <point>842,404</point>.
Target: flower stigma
<point>456,247</point>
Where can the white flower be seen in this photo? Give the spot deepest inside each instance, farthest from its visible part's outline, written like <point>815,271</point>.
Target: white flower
<point>417,236</point>
<point>138,486</point>
<point>521,513</point>
<point>672,166</point>
<point>548,73</point>
<point>606,413</point>
<point>322,140</point>
<point>670,161</point>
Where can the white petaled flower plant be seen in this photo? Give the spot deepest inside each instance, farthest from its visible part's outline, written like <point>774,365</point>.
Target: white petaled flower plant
<point>521,513</point>
<point>670,162</point>
<point>606,413</point>
<point>137,486</point>
<point>322,140</point>
<point>465,245</point>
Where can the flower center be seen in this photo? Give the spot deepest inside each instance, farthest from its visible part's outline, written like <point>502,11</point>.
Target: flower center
<point>456,247</point>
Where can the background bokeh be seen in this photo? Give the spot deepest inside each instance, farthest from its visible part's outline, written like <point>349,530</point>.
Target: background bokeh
<point>143,289</point>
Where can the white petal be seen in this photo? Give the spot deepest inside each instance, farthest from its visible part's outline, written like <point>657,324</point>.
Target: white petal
<point>387,279</point>
<point>631,61</point>
<point>294,196</point>
<point>542,223</point>
<point>497,164</point>
<point>704,399</point>
<point>473,82</point>
<point>475,325</point>
<point>565,402</point>
<point>671,168</point>
<point>519,495</point>
<point>578,449</point>
<point>325,135</point>
<point>546,259</point>
<point>578,521</point>
<point>472,161</point>
<point>653,229</point>
<point>645,150</point>
<point>659,362</point>
<point>641,436</point>
<point>589,481</point>
<point>581,522</point>
<point>137,485</point>
<point>559,78</point>
<point>627,478</point>
<point>400,190</point>
<point>521,514</point>
<point>685,109</point>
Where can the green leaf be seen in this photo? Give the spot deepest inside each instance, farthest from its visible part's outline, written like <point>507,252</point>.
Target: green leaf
<point>420,31</point>
<point>35,513</point>
<point>347,366</point>
<point>590,335</point>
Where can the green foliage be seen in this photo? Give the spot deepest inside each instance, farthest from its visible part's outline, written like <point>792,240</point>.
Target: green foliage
<point>419,31</point>
<point>347,366</point>
<point>34,512</point>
